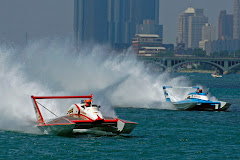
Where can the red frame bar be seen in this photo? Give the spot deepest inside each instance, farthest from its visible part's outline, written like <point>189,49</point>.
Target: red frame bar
<point>60,97</point>
<point>35,102</point>
<point>54,97</point>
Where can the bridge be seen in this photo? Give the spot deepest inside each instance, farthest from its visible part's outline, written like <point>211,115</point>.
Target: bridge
<point>224,65</point>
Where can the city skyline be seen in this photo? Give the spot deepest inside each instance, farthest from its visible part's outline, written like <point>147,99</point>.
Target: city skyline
<point>112,21</point>
<point>44,18</point>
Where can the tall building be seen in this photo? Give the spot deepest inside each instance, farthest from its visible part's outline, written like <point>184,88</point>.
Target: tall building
<point>125,15</point>
<point>119,21</point>
<point>183,24</point>
<point>208,35</point>
<point>236,20</point>
<point>112,21</point>
<point>90,21</point>
<point>190,27</point>
<point>225,25</point>
<point>208,32</point>
<point>196,23</point>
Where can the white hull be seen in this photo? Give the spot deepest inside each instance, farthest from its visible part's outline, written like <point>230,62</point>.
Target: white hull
<point>216,76</point>
<point>184,106</point>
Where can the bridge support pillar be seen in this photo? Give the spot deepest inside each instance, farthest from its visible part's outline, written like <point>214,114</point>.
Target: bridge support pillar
<point>226,68</point>
<point>169,65</point>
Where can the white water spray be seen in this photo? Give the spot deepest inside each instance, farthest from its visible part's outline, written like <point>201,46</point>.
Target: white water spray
<point>54,67</point>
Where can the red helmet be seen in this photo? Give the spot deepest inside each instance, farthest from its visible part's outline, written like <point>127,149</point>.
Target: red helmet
<point>200,90</point>
<point>88,102</point>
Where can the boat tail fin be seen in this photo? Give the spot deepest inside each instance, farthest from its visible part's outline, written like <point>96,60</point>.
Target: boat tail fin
<point>166,94</point>
<point>37,111</point>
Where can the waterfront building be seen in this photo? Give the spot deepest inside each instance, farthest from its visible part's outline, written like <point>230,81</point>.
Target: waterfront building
<point>236,20</point>
<point>147,44</point>
<point>230,46</point>
<point>150,27</point>
<point>204,45</point>
<point>225,25</point>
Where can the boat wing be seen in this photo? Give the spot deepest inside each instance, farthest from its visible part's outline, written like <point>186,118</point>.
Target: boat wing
<point>181,87</point>
<point>166,94</point>
<point>60,97</point>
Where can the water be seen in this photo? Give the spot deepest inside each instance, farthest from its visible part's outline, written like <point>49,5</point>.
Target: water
<point>162,132</point>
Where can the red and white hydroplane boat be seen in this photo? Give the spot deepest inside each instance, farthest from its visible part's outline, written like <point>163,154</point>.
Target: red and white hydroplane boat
<point>80,116</point>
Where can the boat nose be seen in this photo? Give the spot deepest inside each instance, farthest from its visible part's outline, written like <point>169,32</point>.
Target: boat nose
<point>99,118</point>
<point>225,105</point>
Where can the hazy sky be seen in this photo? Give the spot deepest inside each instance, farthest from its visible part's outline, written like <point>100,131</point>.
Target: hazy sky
<point>42,18</point>
<point>170,10</point>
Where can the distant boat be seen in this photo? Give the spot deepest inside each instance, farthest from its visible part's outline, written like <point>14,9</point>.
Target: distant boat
<point>197,100</point>
<point>216,75</point>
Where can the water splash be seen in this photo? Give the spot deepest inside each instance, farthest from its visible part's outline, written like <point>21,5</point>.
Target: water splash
<point>54,67</point>
<point>119,77</point>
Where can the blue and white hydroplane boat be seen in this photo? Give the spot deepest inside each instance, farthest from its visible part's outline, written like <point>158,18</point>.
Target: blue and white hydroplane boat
<point>197,100</point>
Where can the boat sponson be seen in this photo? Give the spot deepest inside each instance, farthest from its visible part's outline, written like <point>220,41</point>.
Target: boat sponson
<point>201,105</point>
<point>58,129</point>
<point>66,124</point>
<point>184,105</point>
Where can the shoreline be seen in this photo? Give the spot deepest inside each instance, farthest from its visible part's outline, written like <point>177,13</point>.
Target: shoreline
<point>200,71</point>
<point>195,71</point>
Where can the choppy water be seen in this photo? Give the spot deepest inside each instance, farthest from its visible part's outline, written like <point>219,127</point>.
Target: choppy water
<point>160,134</point>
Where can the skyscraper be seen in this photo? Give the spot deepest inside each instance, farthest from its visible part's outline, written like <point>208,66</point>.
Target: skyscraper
<point>90,21</point>
<point>196,23</point>
<point>119,21</point>
<point>112,21</point>
<point>183,24</point>
<point>236,20</point>
<point>225,25</point>
<point>125,15</point>
<point>190,24</point>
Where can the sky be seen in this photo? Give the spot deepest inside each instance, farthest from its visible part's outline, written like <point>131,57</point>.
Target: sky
<point>170,10</point>
<point>47,18</point>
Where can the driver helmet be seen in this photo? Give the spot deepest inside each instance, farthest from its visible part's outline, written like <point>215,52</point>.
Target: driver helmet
<point>88,102</point>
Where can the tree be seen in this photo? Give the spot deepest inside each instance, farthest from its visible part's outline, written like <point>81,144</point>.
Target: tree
<point>220,54</point>
<point>199,52</point>
<point>236,54</point>
<point>166,53</point>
